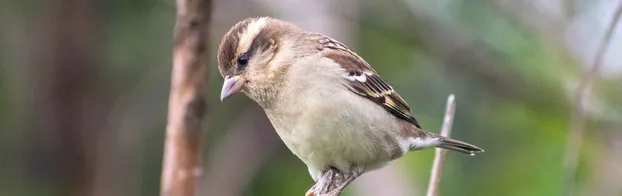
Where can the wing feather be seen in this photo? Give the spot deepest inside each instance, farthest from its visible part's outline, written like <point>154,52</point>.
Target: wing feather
<point>364,81</point>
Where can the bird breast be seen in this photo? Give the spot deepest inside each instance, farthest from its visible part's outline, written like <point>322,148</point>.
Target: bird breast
<point>325,124</point>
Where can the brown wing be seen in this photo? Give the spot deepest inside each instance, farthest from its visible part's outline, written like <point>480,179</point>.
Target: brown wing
<point>364,81</point>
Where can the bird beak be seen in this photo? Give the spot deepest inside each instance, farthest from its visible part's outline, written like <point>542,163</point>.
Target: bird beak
<point>232,85</point>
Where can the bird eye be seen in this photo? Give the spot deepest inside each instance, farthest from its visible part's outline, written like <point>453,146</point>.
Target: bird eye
<point>243,61</point>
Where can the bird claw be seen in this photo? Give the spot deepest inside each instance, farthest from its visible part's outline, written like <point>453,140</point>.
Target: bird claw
<point>331,183</point>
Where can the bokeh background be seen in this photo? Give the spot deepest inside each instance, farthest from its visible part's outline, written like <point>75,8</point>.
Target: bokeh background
<point>84,89</point>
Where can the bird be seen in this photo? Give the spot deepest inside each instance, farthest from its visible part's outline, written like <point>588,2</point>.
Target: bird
<point>326,103</point>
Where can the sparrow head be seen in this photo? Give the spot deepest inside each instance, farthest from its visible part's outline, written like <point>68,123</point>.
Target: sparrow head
<point>253,56</point>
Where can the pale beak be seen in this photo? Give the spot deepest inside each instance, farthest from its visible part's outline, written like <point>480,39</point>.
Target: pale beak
<point>232,85</point>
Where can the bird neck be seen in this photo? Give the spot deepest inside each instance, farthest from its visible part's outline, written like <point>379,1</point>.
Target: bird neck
<point>264,92</point>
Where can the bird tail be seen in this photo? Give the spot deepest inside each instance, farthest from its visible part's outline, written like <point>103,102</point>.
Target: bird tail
<point>456,145</point>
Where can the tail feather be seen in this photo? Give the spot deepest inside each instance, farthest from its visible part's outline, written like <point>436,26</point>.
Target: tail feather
<point>456,145</point>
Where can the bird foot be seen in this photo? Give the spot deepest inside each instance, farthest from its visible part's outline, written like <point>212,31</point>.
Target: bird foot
<point>332,183</point>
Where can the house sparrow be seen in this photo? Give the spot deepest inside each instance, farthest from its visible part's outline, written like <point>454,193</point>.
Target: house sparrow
<point>326,103</point>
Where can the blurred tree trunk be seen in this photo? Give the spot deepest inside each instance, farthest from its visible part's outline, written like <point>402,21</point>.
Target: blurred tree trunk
<point>182,165</point>
<point>68,103</point>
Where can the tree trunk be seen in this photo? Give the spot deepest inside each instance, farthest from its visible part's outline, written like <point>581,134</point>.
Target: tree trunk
<point>182,169</point>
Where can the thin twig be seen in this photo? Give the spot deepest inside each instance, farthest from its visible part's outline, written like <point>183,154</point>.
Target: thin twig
<point>181,169</point>
<point>439,154</point>
<point>578,116</point>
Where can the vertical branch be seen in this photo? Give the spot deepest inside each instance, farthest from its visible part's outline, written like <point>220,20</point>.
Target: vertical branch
<point>68,102</point>
<point>439,154</point>
<point>181,169</point>
<point>578,121</point>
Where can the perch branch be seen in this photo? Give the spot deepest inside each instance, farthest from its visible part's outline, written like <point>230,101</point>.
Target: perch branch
<point>577,126</point>
<point>439,154</point>
<point>328,184</point>
<point>181,168</point>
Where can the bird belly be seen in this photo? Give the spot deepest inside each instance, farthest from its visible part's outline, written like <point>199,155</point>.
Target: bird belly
<point>339,131</point>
